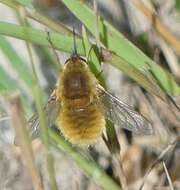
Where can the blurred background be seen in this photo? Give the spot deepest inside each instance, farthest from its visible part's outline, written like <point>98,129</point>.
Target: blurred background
<point>138,152</point>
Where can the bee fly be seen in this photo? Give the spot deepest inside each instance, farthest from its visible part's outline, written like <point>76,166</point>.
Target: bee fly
<point>81,106</point>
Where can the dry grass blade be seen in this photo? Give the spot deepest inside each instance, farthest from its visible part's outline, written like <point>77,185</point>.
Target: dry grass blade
<point>158,25</point>
<point>171,146</point>
<point>168,177</point>
<point>120,171</point>
<point>19,123</point>
<point>171,58</point>
<point>114,148</point>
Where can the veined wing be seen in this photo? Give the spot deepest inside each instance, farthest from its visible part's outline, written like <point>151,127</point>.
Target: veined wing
<point>51,111</point>
<point>121,114</point>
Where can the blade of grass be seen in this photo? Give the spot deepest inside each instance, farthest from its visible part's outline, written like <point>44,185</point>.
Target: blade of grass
<point>27,3</point>
<point>90,53</point>
<point>158,25</point>
<point>65,43</point>
<point>38,94</point>
<point>178,5</point>
<point>113,146</point>
<point>88,166</point>
<point>117,43</point>
<point>92,59</point>
<point>54,25</point>
<point>111,141</point>
<point>19,123</point>
<point>169,147</point>
<point>7,83</point>
<point>61,42</point>
<point>47,57</point>
<point>16,61</point>
<point>43,51</point>
<point>111,38</point>
<point>44,135</point>
<point>168,176</point>
<point>35,15</point>
<point>144,79</point>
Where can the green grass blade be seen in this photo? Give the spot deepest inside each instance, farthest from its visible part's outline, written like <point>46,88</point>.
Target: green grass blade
<point>94,63</point>
<point>143,78</point>
<point>88,166</point>
<point>116,42</point>
<point>47,57</point>
<point>65,43</point>
<point>178,5</point>
<point>7,83</point>
<point>27,3</point>
<point>61,42</point>
<point>16,61</point>
<point>92,58</point>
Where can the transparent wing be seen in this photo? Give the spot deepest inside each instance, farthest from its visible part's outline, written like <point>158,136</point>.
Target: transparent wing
<point>121,114</point>
<point>51,111</point>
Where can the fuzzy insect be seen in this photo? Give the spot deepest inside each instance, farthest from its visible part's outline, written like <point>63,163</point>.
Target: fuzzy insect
<point>81,106</point>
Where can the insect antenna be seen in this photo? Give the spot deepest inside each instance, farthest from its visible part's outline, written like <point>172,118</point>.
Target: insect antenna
<point>75,54</point>
<point>53,49</point>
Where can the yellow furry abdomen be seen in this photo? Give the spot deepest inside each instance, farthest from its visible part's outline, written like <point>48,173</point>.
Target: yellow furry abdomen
<point>81,127</point>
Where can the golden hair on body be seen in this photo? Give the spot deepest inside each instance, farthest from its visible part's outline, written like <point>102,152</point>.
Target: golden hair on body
<point>80,120</point>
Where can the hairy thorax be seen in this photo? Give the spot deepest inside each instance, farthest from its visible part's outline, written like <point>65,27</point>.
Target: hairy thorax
<point>76,90</point>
